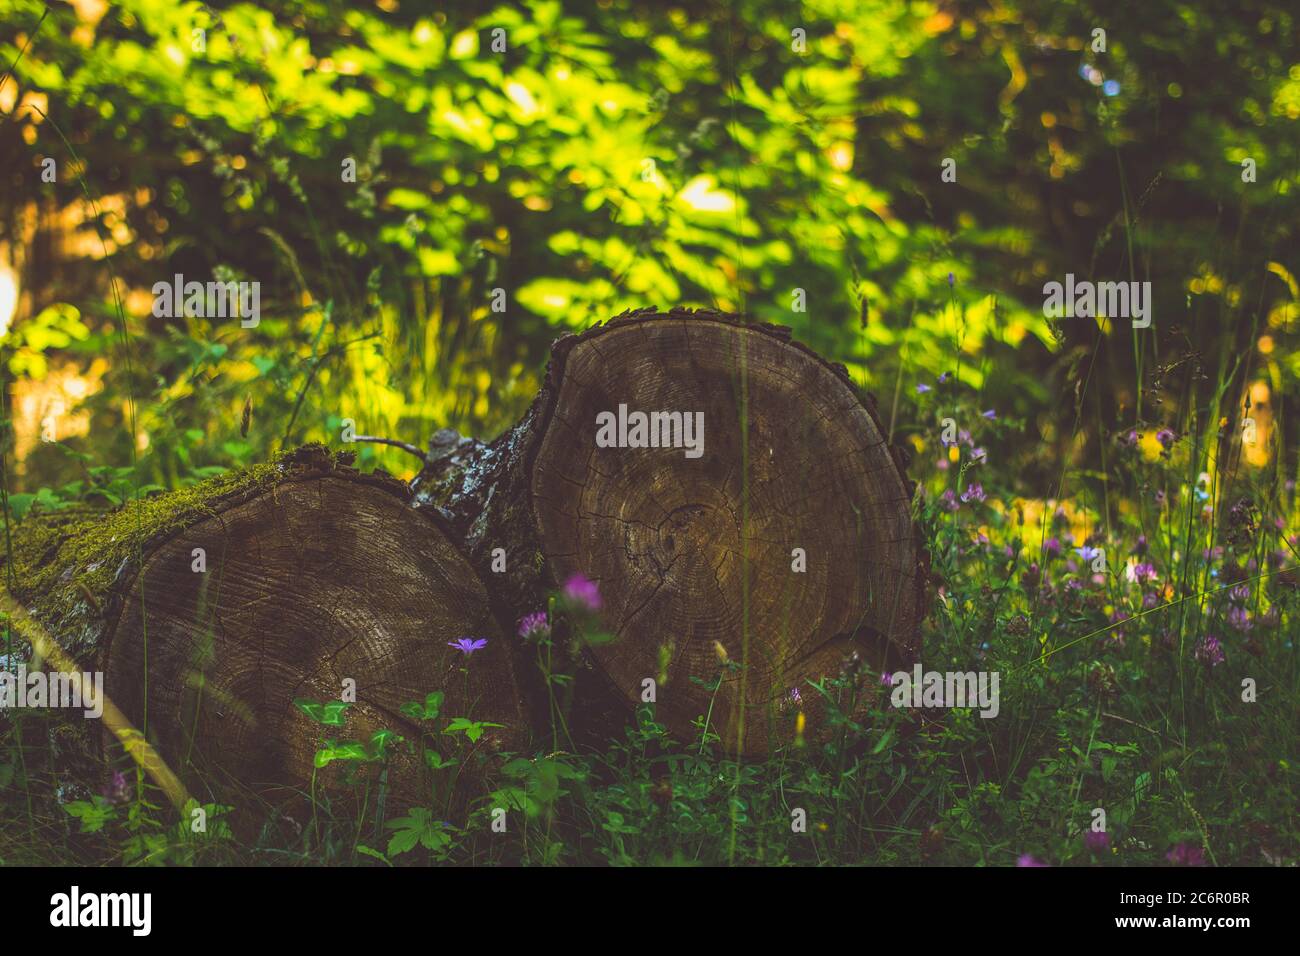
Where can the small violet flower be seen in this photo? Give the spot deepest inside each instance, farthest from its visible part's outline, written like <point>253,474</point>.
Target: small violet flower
<point>1209,651</point>
<point>1142,573</point>
<point>1184,854</point>
<point>468,645</point>
<point>534,625</point>
<point>582,592</point>
<point>1088,553</point>
<point>118,790</point>
<point>1096,841</point>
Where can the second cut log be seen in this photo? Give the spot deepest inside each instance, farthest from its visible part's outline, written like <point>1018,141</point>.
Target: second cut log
<point>731,494</point>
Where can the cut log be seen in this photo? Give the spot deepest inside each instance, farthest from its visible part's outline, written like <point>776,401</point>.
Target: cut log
<point>787,545</point>
<point>318,579</point>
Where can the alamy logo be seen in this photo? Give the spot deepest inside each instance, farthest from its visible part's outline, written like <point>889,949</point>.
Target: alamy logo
<point>215,300</point>
<point>651,430</point>
<point>39,689</point>
<point>1086,300</point>
<point>103,909</point>
<point>952,689</point>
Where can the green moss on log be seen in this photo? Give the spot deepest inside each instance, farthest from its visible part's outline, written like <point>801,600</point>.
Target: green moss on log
<point>71,569</point>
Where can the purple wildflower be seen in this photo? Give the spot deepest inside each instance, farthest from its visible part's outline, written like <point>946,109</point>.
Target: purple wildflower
<point>1184,854</point>
<point>1209,651</point>
<point>1088,553</point>
<point>948,501</point>
<point>468,645</point>
<point>950,280</point>
<point>991,414</point>
<point>1142,573</point>
<point>943,378</point>
<point>1028,859</point>
<point>973,494</point>
<point>1052,548</point>
<point>922,388</point>
<point>1166,438</point>
<point>582,592</point>
<point>118,790</point>
<point>1239,618</point>
<point>1096,841</point>
<point>795,696</point>
<point>534,625</point>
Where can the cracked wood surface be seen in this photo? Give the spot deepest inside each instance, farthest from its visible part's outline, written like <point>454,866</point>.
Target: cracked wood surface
<point>324,577</point>
<point>693,553</point>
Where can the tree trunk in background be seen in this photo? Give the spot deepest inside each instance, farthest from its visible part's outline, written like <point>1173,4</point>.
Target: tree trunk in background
<point>698,558</point>
<point>316,575</point>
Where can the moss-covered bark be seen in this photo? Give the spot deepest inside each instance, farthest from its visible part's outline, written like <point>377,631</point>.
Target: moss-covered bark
<point>71,568</point>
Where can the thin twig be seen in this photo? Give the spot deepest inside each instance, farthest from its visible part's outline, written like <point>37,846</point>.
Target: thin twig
<point>405,446</point>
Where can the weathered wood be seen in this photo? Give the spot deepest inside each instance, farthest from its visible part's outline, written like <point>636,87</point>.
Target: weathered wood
<point>695,556</point>
<point>315,574</point>
<point>765,556</point>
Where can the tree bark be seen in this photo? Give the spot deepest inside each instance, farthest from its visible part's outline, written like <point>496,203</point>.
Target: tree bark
<point>787,547</point>
<point>316,575</point>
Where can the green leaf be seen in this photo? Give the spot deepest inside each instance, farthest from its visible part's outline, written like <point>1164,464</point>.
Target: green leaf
<point>369,851</point>
<point>435,761</point>
<point>335,751</point>
<point>430,709</point>
<point>20,504</point>
<point>330,714</point>
<point>402,841</point>
<point>473,729</point>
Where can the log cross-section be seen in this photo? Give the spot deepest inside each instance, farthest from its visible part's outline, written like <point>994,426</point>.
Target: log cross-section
<point>302,578</point>
<point>781,540</point>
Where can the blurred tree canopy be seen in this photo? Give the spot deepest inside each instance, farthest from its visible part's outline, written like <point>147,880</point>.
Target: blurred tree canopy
<point>589,157</point>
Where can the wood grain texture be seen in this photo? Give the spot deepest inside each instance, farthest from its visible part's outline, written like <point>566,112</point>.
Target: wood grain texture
<point>697,553</point>
<point>323,578</point>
